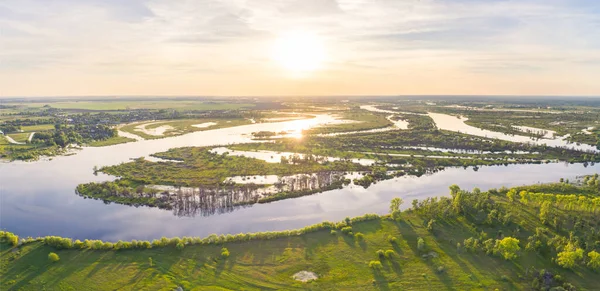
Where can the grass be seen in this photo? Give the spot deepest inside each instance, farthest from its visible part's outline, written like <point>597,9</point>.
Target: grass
<point>179,127</point>
<point>39,127</point>
<point>111,141</point>
<point>142,104</point>
<point>20,137</point>
<point>201,167</point>
<point>361,120</point>
<point>340,261</point>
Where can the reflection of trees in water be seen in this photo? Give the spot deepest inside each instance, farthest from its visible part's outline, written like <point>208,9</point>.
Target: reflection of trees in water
<point>208,201</point>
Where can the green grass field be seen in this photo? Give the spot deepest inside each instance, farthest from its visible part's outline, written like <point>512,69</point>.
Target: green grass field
<point>111,141</point>
<point>20,137</point>
<point>142,104</point>
<point>36,128</point>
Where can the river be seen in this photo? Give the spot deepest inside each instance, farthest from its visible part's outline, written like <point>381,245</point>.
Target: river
<point>38,199</point>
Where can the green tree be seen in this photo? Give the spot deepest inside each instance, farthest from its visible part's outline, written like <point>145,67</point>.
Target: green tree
<point>545,212</point>
<point>511,195</point>
<point>508,247</point>
<point>395,207</point>
<point>568,258</point>
<point>375,265</point>
<point>224,253</point>
<point>454,189</point>
<point>594,262</point>
<point>53,257</point>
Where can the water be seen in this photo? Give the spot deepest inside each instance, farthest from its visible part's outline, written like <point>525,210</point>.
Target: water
<point>452,123</point>
<point>457,124</point>
<point>38,199</point>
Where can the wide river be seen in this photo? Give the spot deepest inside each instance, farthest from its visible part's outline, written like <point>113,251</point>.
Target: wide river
<point>38,199</point>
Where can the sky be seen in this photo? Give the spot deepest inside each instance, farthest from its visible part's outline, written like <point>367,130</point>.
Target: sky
<point>367,47</point>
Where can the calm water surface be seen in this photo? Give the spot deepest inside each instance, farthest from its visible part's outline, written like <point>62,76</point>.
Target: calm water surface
<point>38,199</point>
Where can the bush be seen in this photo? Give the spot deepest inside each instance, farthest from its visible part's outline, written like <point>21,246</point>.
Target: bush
<point>53,257</point>
<point>380,253</point>
<point>390,254</point>
<point>9,237</point>
<point>359,236</point>
<point>347,230</point>
<point>375,265</point>
<point>393,240</point>
<point>421,245</point>
<point>224,253</point>
<point>333,232</point>
<point>180,246</point>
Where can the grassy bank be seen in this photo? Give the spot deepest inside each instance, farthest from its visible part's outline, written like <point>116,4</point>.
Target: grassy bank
<point>427,248</point>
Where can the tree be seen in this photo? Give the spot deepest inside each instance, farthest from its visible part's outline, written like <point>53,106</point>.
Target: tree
<point>454,189</point>
<point>511,195</point>
<point>224,253</point>
<point>395,207</point>
<point>594,262</point>
<point>545,212</point>
<point>375,265</point>
<point>508,247</point>
<point>53,257</point>
<point>568,258</point>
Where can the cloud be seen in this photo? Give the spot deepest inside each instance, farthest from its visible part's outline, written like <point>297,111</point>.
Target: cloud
<point>386,37</point>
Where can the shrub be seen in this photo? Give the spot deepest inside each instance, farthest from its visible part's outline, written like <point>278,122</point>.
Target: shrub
<point>53,257</point>
<point>347,230</point>
<point>224,253</point>
<point>393,240</point>
<point>380,253</point>
<point>421,244</point>
<point>389,254</point>
<point>180,246</point>
<point>359,236</point>
<point>333,232</point>
<point>375,265</point>
<point>9,237</point>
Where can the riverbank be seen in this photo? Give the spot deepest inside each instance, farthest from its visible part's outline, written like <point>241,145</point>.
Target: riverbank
<point>427,247</point>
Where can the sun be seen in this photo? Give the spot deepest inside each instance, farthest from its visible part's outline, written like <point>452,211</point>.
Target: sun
<point>299,52</point>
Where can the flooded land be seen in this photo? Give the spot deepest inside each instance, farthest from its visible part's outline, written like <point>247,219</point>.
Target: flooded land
<point>246,169</point>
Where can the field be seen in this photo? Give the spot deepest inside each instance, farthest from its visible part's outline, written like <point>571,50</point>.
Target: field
<point>145,104</point>
<point>341,261</point>
<point>20,137</point>
<point>111,141</point>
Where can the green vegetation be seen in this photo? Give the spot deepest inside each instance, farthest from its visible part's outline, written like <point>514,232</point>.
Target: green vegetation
<point>53,257</point>
<point>481,241</point>
<point>179,127</point>
<point>199,166</point>
<point>357,120</point>
<point>571,122</point>
<point>111,141</point>
<point>138,104</point>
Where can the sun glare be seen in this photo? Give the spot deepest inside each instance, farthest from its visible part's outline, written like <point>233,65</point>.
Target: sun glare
<point>299,52</point>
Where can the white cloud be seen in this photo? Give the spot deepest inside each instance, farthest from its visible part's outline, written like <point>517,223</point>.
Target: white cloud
<point>229,38</point>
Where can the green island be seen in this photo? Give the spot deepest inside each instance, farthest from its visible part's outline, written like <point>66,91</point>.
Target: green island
<point>539,237</point>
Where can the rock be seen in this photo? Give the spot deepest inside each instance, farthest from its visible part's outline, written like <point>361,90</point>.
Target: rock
<point>305,276</point>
